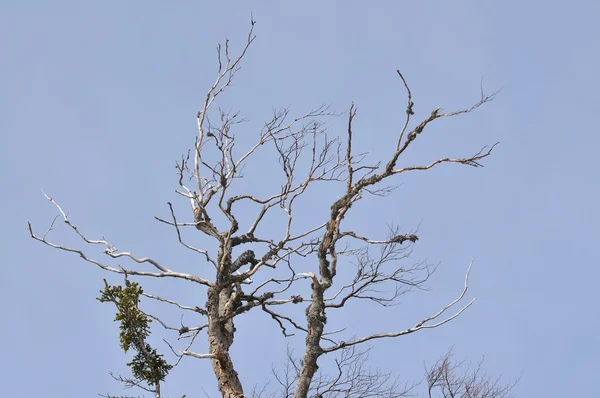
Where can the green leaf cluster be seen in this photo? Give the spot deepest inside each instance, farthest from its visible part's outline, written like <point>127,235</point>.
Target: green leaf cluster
<point>147,364</point>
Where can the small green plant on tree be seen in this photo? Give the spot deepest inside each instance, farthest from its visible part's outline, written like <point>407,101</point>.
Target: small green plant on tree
<point>147,365</point>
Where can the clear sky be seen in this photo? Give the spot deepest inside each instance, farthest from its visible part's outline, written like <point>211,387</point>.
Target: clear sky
<point>98,100</point>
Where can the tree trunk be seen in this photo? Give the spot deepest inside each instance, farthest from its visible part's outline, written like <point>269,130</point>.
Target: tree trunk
<point>315,315</point>
<point>220,338</point>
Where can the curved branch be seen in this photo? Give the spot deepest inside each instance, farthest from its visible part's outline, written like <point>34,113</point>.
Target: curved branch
<point>122,271</point>
<point>420,325</point>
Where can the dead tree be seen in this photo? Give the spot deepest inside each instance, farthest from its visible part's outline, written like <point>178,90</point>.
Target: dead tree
<point>457,379</point>
<point>253,271</point>
<point>350,377</point>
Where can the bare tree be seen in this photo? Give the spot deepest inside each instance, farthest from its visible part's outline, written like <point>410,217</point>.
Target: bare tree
<point>350,377</point>
<point>252,270</point>
<point>447,379</point>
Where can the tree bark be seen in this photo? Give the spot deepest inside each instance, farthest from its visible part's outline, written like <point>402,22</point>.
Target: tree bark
<point>220,338</point>
<point>315,315</point>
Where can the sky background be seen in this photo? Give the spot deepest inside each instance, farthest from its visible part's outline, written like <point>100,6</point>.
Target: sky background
<point>98,100</point>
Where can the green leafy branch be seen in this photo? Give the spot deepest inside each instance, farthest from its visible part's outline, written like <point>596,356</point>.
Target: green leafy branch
<point>147,365</point>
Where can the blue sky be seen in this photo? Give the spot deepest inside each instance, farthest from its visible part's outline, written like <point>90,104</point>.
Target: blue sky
<point>98,100</point>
